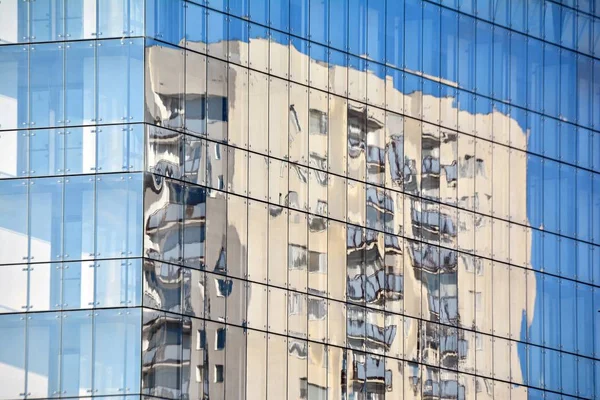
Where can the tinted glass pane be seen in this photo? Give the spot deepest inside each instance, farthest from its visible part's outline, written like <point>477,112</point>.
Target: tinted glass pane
<point>12,355</point>
<point>46,85</point>
<point>14,87</point>
<point>120,81</point>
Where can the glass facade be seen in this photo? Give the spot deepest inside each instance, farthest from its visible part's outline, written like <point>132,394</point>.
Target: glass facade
<point>300,199</point>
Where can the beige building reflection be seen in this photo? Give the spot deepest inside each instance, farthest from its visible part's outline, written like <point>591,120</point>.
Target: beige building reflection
<point>452,302</point>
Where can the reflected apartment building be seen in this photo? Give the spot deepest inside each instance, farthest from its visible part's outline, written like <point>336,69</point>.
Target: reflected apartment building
<point>208,201</point>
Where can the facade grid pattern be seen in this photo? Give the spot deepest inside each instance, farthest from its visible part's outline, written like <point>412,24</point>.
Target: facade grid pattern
<point>300,199</point>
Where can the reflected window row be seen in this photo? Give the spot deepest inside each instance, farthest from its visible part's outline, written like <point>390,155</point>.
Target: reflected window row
<point>453,185</point>
<point>182,354</point>
<point>70,285</point>
<point>220,99</point>
<point>73,218</point>
<point>318,316</point>
<point>71,84</point>
<point>79,353</point>
<point>66,354</point>
<point>285,248</point>
<point>59,20</point>
<point>72,151</point>
<point>528,77</point>
<point>402,355</point>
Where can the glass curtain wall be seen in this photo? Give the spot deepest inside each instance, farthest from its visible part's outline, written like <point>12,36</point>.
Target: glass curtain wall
<point>300,199</point>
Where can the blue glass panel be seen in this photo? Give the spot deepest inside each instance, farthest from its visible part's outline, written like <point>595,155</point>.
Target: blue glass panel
<point>413,35</point>
<point>551,195</point>
<point>216,34</point>
<point>80,81</point>
<point>117,351</point>
<point>76,353</point>
<point>585,377</point>
<point>568,28</point>
<point>501,12</point>
<point>535,126</point>
<point>551,318</point>
<point>46,19</point>
<point>259,11</point>
<point>552,22</point>
<point>239,8</point>
<point>43,354</point>
<point>80,150</point>
<point>118,283</point>
<point>584,90</point>
<point>118,18</point>
<point>280,15</point>
<point>14,151</point>
<point>584,34</point>
<point>483,58</point>
<point>46,85</point>
<point>431,39</point>
<point>376,30</point>
<point>394,37</point>
<point>518,69</point>
<point>14,22</point>
<point>584,205</point>
<point>220,5</point>
<point>596,211</point>
<point>596,322</point>
<point>12,356</point>
<point>536,329</point>
<point>535,74</point>
<point>518,15</point>
<point>357,23</point>
<point>13,221</point>
<point>595,150</point>
<point>46,219</point>
<point>118,215</point>
<point>585,318</point>
<point>568,85</point>
<point>14,87</point>
<point>319,21</point>
<point>449,45</point>
<point>79,218</point>
<point>501,48</point>
<point>535,17</point>
<point>596,96</point>
<point>568,257</point>
<point>586,6</point>
<point>596,36</point>
<point>569,372</point>
<point>77,285</point>
<point>535,362</point>
<point>551,137</point>
<point>585,272</point>
<point>535,193</point>
<point>120,81</point>
<point>484,9</point>
<point>467,6</point>
<point>119,148</point>
<point>299,23</point>
<point>551,79</point>
<point>466,52</point>
<point>568,142</point>
<point>80,19</point>
<point>568,316</point>
<point>195,27</point>
<point>46,152</point>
